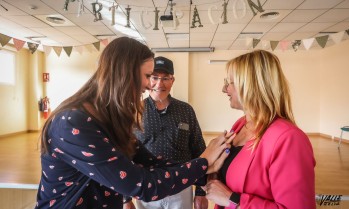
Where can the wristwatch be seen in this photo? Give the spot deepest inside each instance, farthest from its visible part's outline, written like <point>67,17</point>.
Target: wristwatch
<point>234,200</point>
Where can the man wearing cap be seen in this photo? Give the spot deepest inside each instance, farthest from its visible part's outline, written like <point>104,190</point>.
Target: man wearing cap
<point>171,131</point>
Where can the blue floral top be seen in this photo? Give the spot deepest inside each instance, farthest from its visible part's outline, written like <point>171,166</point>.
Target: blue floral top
<point>83,170</point>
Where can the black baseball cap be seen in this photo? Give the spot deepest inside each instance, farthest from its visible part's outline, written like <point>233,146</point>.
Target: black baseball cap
<point>163,64</point>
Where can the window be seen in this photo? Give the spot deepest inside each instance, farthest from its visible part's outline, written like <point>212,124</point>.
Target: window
<point>7,69</point>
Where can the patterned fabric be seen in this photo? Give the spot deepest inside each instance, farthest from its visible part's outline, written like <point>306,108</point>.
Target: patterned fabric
<point>173,133</point>
<point>182,200</point>
<point>84,170</point>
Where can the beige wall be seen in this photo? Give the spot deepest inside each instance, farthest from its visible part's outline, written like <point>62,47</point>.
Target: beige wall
<point>19,103</point>
<point>334,89</point>
<point>212,105</point>
<point>206,82</point>
<point>318,80</point>
<point>36,89</point>
<point>68,74</point>
<point>13,99</point>
<point>302,71</point>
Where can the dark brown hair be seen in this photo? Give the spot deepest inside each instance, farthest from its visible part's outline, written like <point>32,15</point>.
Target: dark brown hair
<point>114,91</point>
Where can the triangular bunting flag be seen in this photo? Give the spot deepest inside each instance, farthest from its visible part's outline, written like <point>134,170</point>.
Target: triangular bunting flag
<point>284,45</point>
<point>4,39</point>
<point>32,47</point>
<point>337,37</point>
<point>58,50</point>
<point>68,50</point>
<point>47,49</point>
<point>322,40</point>
<point>97,45</point>
<point>18,44</point>
<point>79,49</point>
<point>255,42</point>
<point>105,42</point>
<point>274,44</point>
<point>308,42</point>
<point>295,44</point>
<point>90,48</point>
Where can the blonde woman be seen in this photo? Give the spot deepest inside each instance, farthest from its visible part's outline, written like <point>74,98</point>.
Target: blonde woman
<point>271,162</point>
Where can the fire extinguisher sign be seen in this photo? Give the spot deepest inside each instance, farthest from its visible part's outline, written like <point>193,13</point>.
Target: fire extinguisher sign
<point>45,77</point>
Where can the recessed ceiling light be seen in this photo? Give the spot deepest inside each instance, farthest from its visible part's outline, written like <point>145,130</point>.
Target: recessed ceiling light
<point>56,20</point>
<point>270,15</point>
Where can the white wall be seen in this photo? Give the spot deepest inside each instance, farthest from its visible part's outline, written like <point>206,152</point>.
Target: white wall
<point>206,82</point>
<point>334,96</point>
<point>19,103</point>
<point>13,99</point>
<point>68,74</point>
<point>35,89</point>
<point>302,71</point>
<point>212,105</point>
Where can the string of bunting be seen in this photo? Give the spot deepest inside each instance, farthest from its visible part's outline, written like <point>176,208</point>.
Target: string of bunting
<point>19,44</point>
<point>284,45</point>
<point>196,22</point>
<point>307,43</point>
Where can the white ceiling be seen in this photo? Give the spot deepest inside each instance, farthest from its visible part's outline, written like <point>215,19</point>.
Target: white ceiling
<point>298,19</point>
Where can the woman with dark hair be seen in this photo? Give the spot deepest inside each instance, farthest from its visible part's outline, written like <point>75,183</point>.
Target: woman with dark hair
<point>90,157</point>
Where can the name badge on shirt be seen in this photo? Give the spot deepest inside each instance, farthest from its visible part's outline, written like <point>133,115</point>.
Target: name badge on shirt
<point>183,126</point>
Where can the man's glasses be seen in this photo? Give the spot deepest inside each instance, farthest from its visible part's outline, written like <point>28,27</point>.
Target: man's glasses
<point>165,80</point>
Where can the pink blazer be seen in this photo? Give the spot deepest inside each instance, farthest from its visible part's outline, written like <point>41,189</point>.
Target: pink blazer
<point>279,173</point>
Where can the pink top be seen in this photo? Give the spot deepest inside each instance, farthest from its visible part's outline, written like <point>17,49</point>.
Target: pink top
<point>279,173</point>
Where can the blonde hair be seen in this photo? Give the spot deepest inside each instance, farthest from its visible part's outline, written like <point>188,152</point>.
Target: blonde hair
<point>262,89</point>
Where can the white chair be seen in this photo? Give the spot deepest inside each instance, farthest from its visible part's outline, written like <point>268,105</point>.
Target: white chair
<point>344,128</point>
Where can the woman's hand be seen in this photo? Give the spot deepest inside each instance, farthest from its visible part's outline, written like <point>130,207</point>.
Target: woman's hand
<point>217,192</point>
<point>217,151</point>
<point>219,162</point>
